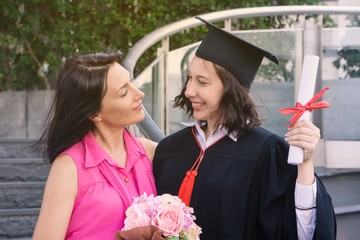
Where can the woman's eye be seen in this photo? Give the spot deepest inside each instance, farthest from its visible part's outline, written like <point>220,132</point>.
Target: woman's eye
<point>123,93</point>
<point>202,82</point>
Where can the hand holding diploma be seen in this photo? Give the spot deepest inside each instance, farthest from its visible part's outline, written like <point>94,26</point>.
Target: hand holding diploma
<point>305,103</point>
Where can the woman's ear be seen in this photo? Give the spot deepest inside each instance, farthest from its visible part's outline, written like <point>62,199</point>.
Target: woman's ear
<point>95,118</point>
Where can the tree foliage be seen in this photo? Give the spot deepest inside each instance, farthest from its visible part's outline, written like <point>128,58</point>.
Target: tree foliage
<point>36,36</point>
<point>348,61</point>
<point>349,56</point>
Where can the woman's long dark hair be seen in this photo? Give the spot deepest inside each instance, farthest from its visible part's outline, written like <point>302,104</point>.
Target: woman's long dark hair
<point>237,109</point>
<point>80,88</point>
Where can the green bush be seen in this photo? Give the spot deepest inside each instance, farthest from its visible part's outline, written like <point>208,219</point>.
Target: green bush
<point>349,57</point>
<point>36,36</point>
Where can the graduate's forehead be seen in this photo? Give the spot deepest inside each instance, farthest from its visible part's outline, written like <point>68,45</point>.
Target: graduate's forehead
<point>202,67</point>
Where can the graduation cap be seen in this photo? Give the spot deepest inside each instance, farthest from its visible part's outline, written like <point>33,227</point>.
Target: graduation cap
<point>232,53</point>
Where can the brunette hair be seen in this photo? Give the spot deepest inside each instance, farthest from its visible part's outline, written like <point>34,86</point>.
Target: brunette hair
<point>80,87</point>
<point>237,109</point>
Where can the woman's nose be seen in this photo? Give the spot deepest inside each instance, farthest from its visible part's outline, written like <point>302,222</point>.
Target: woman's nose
<point>141,94</point>
<point>189,91</point>
<point>138,93</point>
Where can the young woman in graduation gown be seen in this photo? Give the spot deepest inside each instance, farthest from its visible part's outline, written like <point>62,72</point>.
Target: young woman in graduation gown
<point>230,170</point>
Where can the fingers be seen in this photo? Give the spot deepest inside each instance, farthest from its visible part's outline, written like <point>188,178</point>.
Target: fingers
<point>304,134</point>
<point>303,131</point>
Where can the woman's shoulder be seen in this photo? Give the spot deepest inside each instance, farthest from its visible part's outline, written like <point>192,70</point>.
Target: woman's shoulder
<point>265,135</point>
<point>260,139</point>
<point>149,146</point>
<point>179,136</point>
<point>269,141</point>
<point>63,169</point>
<point>63,162</point>
<point>178,143</point>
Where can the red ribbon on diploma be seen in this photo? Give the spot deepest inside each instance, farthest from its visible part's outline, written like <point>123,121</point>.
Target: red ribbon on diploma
<point>299,109</point>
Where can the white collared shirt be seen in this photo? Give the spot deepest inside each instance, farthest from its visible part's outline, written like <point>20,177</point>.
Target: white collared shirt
<point>305,196</point>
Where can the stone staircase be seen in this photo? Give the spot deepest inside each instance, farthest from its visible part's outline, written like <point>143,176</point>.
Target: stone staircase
<point>23,173</point>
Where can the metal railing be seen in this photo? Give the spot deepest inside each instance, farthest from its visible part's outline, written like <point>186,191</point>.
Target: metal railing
<point>148,127</point>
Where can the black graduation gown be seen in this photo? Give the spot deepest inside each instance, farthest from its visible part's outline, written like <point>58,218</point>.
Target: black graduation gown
<point>243,190</point>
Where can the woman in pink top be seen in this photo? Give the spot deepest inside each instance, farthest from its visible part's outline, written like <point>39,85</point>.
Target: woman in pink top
<point>98,166</point>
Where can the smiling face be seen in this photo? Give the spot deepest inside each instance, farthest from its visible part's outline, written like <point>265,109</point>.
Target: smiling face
<point>205,90</point>
<point>122,104</point>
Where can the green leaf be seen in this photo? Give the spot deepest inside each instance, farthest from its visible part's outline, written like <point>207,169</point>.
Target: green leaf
<point>172,238</point>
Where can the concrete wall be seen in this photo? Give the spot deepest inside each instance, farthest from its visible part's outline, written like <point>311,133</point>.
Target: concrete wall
<point>22,113</point>
<point>270,98</point>
<point>13,114</point>
<point>341,120</point>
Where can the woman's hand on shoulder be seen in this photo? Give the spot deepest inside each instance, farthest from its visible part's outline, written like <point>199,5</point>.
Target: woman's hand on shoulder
<point>58,200</point>
<point>149,147</point>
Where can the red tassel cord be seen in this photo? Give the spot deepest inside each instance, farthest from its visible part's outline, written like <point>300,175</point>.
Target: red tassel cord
<point>299,109</point>
<point>187,184</point>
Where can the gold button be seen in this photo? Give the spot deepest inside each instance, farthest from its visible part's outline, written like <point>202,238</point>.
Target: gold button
<point>126,180</point>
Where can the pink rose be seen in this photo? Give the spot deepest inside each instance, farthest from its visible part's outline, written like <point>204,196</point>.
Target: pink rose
<point>136,217</point>
<point>140,212</point>
<point>170,220</point>
<point>175,200</point>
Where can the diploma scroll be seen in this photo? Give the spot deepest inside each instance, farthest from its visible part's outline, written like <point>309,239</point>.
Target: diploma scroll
<point>306,92</point>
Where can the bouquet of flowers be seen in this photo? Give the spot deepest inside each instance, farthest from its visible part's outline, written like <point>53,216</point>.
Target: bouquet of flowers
<point>161,217</point>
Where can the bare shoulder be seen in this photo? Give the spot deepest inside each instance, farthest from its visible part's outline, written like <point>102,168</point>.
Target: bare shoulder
<point>63,174</point>
<point>62,178</point>
<point>63,164</point>
<point>149,146</point>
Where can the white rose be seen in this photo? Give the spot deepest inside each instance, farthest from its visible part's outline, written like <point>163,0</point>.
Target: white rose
<point>194,232</point>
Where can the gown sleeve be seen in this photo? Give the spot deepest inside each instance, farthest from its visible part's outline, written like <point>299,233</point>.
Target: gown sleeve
<point>277,215</point>
<point>325,215</point>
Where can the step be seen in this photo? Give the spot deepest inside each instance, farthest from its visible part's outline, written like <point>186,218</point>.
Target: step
<point>348,226</point>
<point>18,195</point>
<point>19,148</point>
<point>343,185</point>
<point>23,169</point>
<point>18,223</point>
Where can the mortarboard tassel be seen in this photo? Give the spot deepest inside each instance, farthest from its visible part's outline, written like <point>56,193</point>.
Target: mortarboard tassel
<point>187,184</point>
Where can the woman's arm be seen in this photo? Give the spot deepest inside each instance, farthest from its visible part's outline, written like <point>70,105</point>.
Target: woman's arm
<point>305,135</point>
<point>58,200</point>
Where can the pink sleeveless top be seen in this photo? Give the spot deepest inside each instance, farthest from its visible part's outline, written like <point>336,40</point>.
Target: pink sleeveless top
<point>105,189</point>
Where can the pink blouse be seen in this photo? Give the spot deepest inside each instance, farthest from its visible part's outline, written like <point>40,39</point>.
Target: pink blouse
<point>105,189</point>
